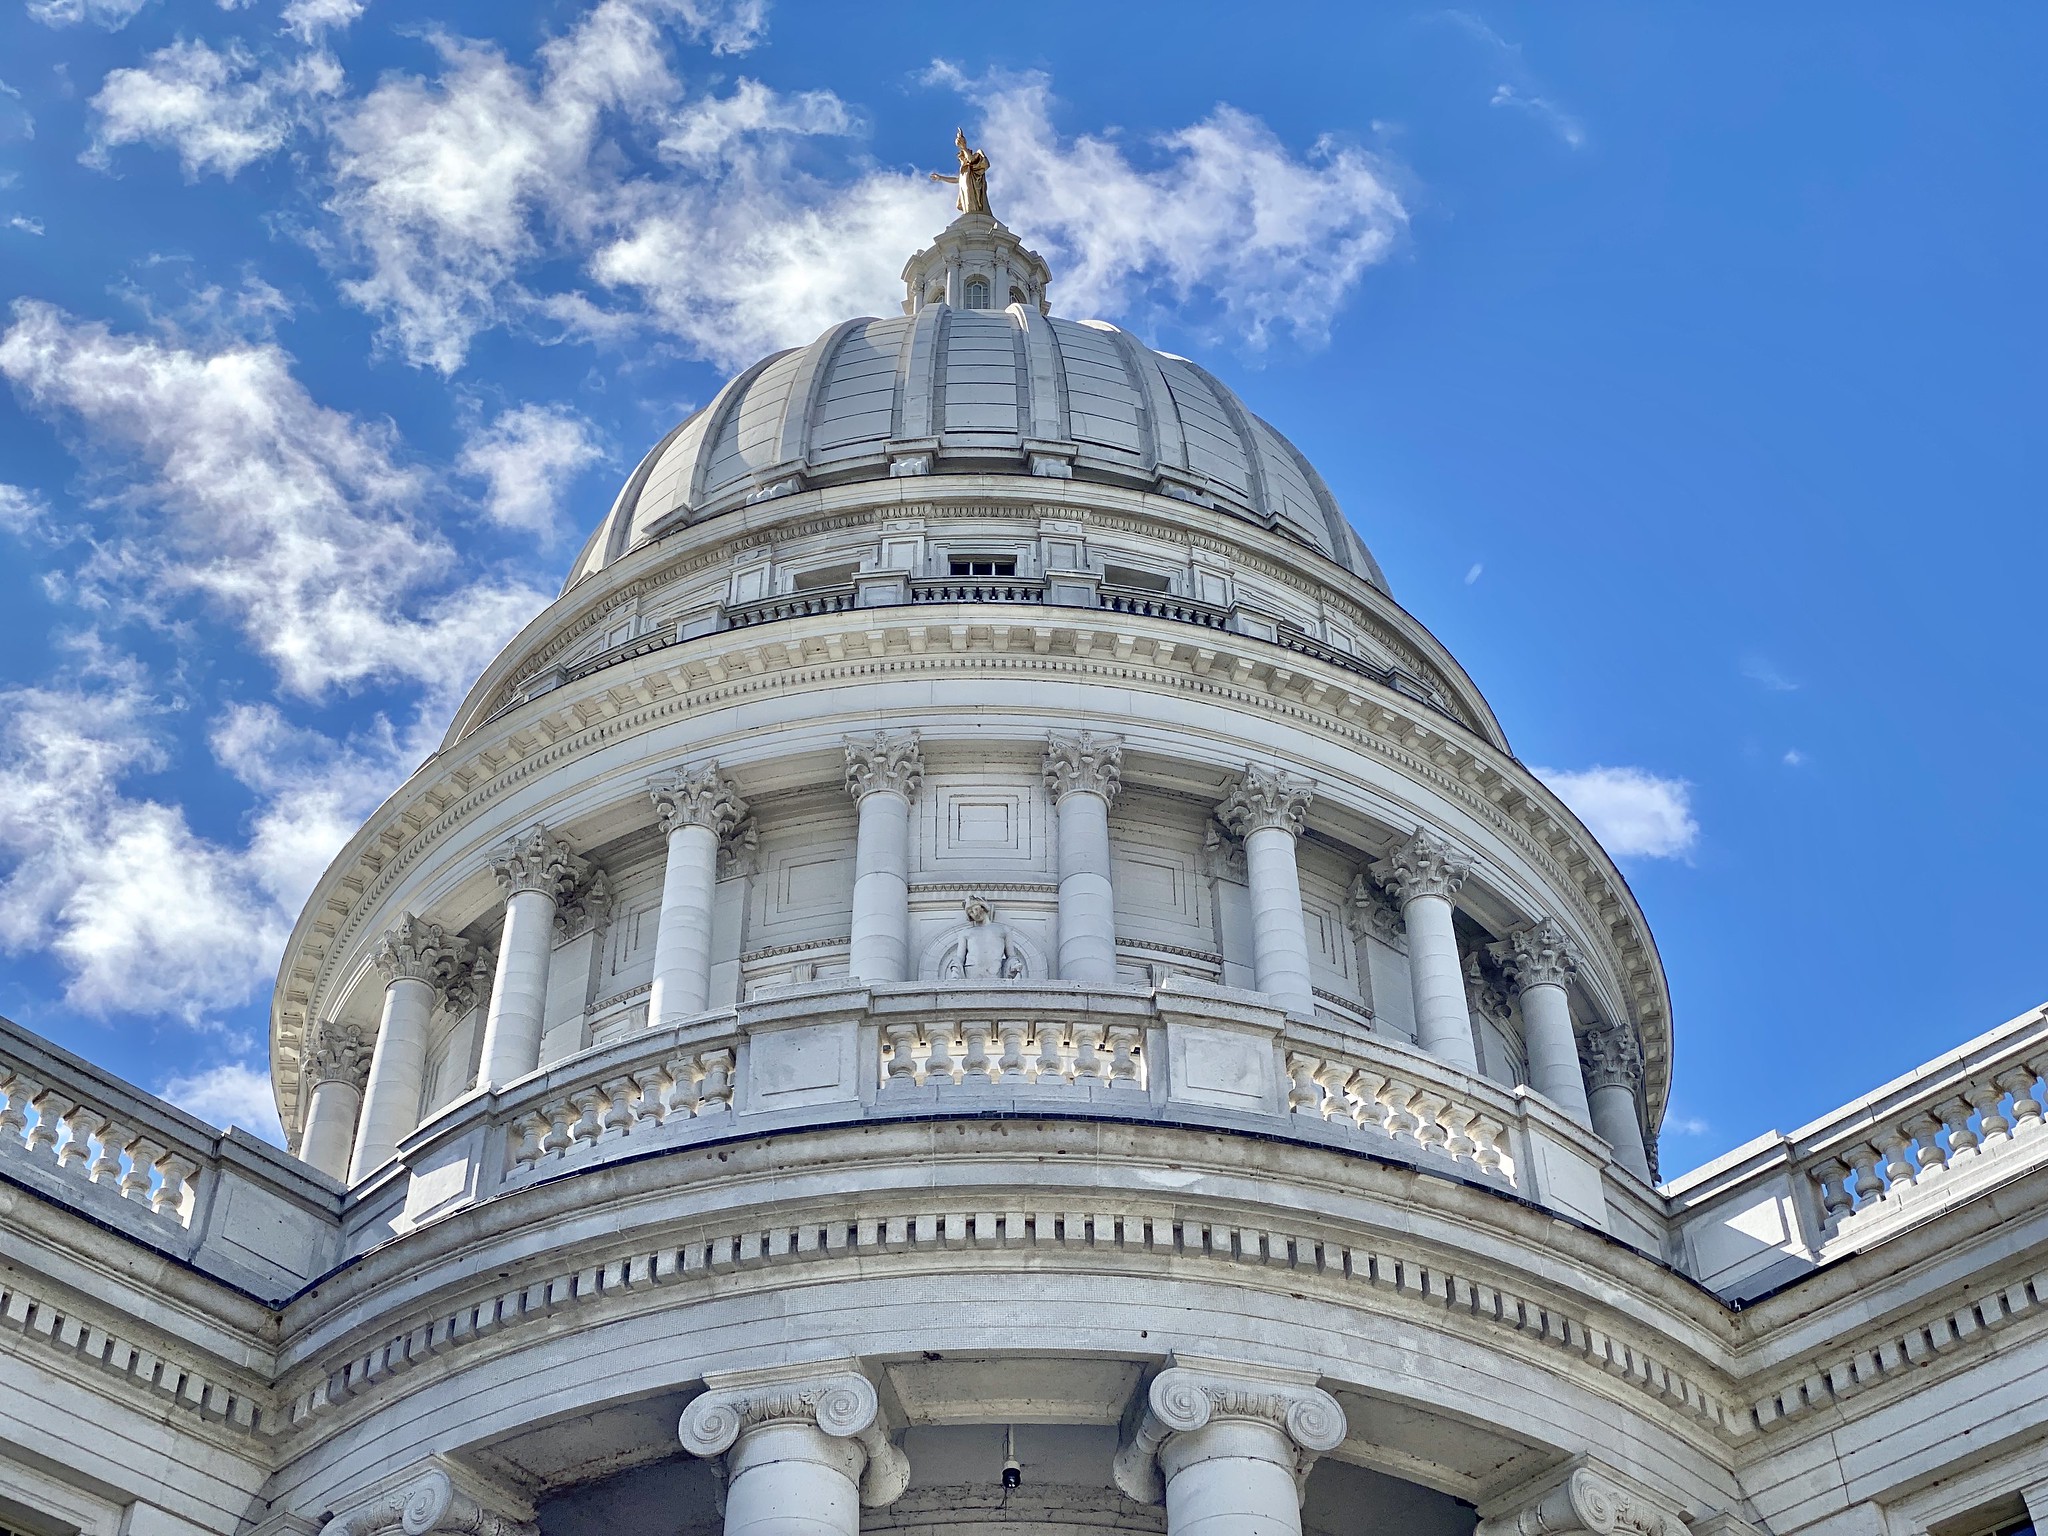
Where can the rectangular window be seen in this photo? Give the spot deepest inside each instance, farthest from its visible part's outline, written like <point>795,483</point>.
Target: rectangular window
<point>823,576</point>
<point>1141,581</point>
<point>984,567</point>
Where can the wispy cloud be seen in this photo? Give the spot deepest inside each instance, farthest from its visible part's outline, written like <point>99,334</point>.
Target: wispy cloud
<point>1793,758</point>
<point>1561,122</point>
<point>1677,1123</point>
<point>26,224</point>
<point>230,1094</point>
<point>1633,812</point>
<point>527,457</point>
<point>1477,570</point>
<point>111,14</point>
<point>1759,670</point>
<point>1521,91</point>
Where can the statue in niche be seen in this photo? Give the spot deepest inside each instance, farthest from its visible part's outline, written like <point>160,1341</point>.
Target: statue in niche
<point>973,177</point>
<point>984,951</point>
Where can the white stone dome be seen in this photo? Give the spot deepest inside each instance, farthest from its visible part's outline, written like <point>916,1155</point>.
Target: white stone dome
<point>951,389</point>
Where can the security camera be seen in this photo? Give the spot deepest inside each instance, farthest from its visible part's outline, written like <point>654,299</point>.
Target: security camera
<point>1013,1474</point>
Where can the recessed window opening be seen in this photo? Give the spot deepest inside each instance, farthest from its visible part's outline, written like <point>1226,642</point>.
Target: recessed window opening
<point>983,566</point>
<point>823,576</point>
<point>1017,296</point>
<point>976,293</point>
<point>1143,581</point>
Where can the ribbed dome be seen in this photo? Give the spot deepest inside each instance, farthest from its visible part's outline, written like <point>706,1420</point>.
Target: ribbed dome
<point>949,389</point>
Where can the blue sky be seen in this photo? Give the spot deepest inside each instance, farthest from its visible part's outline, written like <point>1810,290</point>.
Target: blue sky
<point>1681,364</point>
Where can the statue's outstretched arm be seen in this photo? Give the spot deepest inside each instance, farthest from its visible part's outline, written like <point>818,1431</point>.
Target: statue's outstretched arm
<point>942,176</point>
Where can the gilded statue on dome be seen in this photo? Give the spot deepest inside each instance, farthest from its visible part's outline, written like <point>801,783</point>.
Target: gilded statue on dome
<point>972,179</point>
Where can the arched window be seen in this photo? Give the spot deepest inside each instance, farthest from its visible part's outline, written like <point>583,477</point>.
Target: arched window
<point>1017,296</point>
<point>976,293</point>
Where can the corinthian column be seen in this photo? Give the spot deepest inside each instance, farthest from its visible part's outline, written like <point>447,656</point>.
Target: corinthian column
<point>1084,775</point>
<point>804,1450</point>
<point>883,773</point>
<point>698,808</point>
<point>535,870</point>
<point>1612,1057</point>
<point>1228,1448</point>
<point>337,1069</point>
<point>415,957</point>
<point>1539,962</point>
<point>1266,808</point>
<point>1424,874</point>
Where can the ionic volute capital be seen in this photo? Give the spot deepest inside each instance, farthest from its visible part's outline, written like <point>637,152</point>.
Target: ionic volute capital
<point>1611,1056</point>
<point>700,796</point>
<point>340,1053</point>
<point>1585,1497</point>
<point>1084,764</point>
<point>1186,1398</point>
<point>1540,955</point>
<point>1266,797</point>
<point>882,763</point>
<point>537,860</point>
<point>842,1404</point>
<point>418,950</point>
<point>432,1504</point>
<point>1425,865</point>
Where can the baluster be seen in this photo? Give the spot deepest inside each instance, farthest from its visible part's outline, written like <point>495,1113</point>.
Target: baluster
<point>1364,1093</point>
<point>684,1094</point>
<point>142,1159</point>
<point>1486,1133</point>
<point>1050,1068</point>
<point>1962,1141</point>
<point>532,1141</point>
<point>1402,1120</point>
<point>1896,1147</point>
<point>1011,1064</point>
<point>51,1107</point>
<point>80,1127</point>
<point>557,1141</point>
<point>2026,1109</point>
<point>1927,1150</point>
<point>977,1066</point>
<point>1430,1129</point>
<point>902,1064</point>
<point>717,1081</point>
<point>1992,1127</point>
<point>1864,1160</point>
<point>650,1097</point>
<point>584,1131</point>
<point>1331,1077</point>
<point>1124,1063</point>
<point>1454,1117</point>
<point>106,1168</point>
<point>1088,1064</point>
<point>938,1061</point>
<point>14,1115</point>
<point>619,1093</point>
<point>176,1173</point>
<point>1304,1096</point>
<point>1832,1178</point>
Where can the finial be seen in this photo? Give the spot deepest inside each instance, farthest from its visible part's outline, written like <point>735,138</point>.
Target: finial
<point>972,178</point>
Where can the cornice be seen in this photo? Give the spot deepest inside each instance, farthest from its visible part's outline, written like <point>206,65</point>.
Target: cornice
<point>825,651</point>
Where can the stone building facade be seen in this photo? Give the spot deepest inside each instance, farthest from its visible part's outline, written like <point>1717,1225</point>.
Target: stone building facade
<point>975,972</point>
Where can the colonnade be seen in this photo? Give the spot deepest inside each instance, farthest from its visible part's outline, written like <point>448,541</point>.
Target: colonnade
<point>699,809</point>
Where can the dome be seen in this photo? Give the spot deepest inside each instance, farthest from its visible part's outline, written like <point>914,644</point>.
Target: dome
<point>955,389</point>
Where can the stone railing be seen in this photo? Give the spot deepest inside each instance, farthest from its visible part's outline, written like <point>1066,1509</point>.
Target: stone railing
<point>691,1085</point>
<point>1047,1052</point>
<point>791,605</point>
<point>1387,1100</point>
<point>977,589</point>
<point>57,1129</point>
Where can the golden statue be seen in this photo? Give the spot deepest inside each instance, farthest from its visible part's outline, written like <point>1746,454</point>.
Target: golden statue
<point>973,177</point>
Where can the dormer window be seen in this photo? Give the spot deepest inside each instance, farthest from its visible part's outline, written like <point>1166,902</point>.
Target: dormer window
<point>975,293</point>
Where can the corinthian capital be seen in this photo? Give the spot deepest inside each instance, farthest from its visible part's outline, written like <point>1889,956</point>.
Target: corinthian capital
<point>537,860</point>
<point>884,762</point>
<point>1586,1497</point>
<point>841,1404</point>
<point>697,797</point>
<point>430,1505</point>
<point>1186,1398</point>
<point>340,1054</point>
<point>470,984</point>
<point>1425,865</point>
<point>417,950</point>
<point>1084,764</point>
<point>1266,797</point>
<point>1611,1057</point>
<point>1538,956</point>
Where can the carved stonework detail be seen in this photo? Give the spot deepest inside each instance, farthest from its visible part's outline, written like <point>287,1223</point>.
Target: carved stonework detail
<point>1370,913</point>
<point>469,987</point>
<point>1084,764</point>
<point>585,909</point>
<point>340,1054</point>
<point>1266,797</point>
<point>1537,956</point>
<point>417,950</point>
<point>1184,1399</point>
<point>884,762</point>
<point>982,949</point>
<point>1486,989</point>
<point>1612,1057</point>
<point>840,1403</point>
<point>1587,1498</point>
<point>431,1505</point>
<point>537,860</point>
<point>1222,856</point>
<point>1425,865</point>
<point>697,797</point>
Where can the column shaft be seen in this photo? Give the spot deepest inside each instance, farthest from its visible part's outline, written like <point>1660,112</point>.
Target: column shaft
<point>1443,1023</point>
<point>398,1065</point>
<point>330,1133</point>
<point>1279,937</point>
<point>1231,1478</point>
<point>519,994</point>
<point>1615,1121</point>
<point>880,948</point>
<point>682,935</point>
<point>793,1480</point>
<point>1087,903</point>
<point>1554,1050</point>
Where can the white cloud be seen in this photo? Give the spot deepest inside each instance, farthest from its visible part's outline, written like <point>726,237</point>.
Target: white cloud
<point>219,111</point>
<point>22,511</point>
<point>1677,1124</point>
<point>1559,121</point>
<point>1759,670</point>
<point>230,1094</point>
<point>528,456</point>
<point>1633,812</point>
<point>1794,758</point>
<point>111,14</point>
<point>1474,573</point>
<point>294,521</point>
<point>310,20</point>
<point>26,224</point>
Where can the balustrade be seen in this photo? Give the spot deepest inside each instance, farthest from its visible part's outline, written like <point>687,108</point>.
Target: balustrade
<point>691,1085</point>
<point>59,1130</point>
<point>1377,1099</point>
<point>979,1053</point>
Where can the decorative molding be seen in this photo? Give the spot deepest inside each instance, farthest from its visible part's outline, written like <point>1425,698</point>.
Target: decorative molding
<point>1611,1057</point>
<point>1371,913</point>
<point>1427,864</point>
<point>1221,856</point>
<point>1183,1399</point>
<point>1487,990</point>
<point>1541,955</point>
<point>537,860</point>
<point>587,908</point>
<point>340,1054</point>
<point>697,797</point>
<point>470,986</point>
<point>1084,764</point>
<point>739,852</point>
<point>884,763</point>
<point>1266,797</point>
<point>418,950</point>
<point>842,1404</point>
<point>429,1505</point>
<point>1585,1497</point>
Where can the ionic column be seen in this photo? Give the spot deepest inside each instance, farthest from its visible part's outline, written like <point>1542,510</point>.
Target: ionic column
<point>1266,808</point>
<point>804,1450</point>
<point>1228,1448</point>
<point>535,870</point>
<point>336,1068</point>
<point>1084,775</point>
<point>1424,874</point>
<point>415,958</point>
<point>432,1505</point>
<point>1584,1497</point>
<point>698,808</point>
<point>883,773</point>
<point>1612,1058</point>
<point>1539,962</point>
